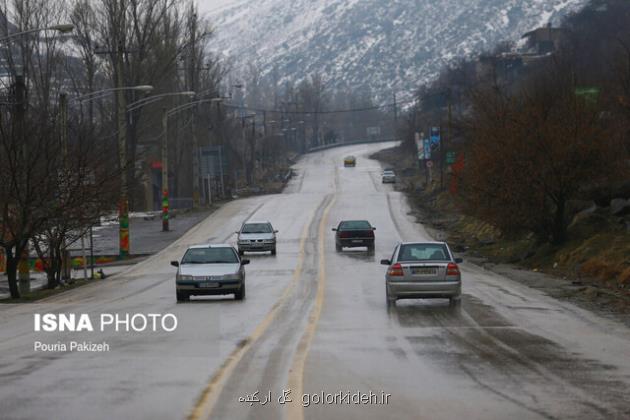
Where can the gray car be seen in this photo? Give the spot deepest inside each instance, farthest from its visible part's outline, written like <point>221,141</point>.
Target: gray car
<point>422,270</point>
<point>210,270</point>
<point>257,237</point>
<point>389,177</point>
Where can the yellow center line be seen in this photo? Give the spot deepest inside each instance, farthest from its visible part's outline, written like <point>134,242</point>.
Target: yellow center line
<point>295,410</point>
<point>209,396</point>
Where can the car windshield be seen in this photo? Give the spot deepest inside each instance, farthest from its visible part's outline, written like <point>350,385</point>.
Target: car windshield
<point>423,252</point>
<point>257,228</point>
<point>355,225</point>
<point>388,173</point>
<point>222,255</point>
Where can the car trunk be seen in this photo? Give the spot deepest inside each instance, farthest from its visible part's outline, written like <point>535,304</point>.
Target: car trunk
<point>425,271</point>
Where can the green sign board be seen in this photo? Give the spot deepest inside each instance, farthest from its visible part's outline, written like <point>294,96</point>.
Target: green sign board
<point>450,158</point>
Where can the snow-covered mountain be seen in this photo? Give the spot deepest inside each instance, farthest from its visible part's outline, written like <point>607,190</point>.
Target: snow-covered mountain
<point>388,45</point>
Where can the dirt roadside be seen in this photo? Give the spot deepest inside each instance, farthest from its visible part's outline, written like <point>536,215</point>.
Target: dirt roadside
<point>560,272</point>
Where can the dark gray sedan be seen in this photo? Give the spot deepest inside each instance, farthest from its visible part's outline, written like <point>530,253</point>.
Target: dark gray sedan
<point>210,270</point>
<point>422,270</point>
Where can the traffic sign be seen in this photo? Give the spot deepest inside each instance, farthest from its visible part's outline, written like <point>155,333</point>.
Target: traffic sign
<point>429,164</point>
<point>450,158</point>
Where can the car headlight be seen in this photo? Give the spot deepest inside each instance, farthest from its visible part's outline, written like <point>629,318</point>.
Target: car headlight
<point>184,277</point>
<point>270,241</point>
<point>243,241</point>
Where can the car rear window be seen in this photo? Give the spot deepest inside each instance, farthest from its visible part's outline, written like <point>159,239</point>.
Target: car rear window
<point>423,252</point>
<point>257,228</point>
<point>210,256</point>
<point>355,225</point>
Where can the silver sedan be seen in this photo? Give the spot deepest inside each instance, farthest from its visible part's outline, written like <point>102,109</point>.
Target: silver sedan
<point>210,270</point>
<point>422,270</point>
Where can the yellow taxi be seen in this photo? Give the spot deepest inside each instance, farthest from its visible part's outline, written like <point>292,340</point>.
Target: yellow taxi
<point>349,161</point>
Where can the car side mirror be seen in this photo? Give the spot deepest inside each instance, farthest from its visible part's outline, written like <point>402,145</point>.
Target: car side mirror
<point>275,231</point>
<point>459,260</point>
<point>237,232</point>
<point>244,262</point>
<point>373,228</point>
<point>334,229</point>
<point>175,263</point>
<point>386,262</point>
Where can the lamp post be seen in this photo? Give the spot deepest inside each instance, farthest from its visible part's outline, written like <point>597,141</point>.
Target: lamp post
<point>62,28</point>
<point>165,192</point>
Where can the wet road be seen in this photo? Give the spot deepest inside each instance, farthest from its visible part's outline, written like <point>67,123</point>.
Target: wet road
<point>315,322</point>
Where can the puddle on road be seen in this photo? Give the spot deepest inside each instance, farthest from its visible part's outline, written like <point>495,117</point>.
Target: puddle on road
<point>526,369</point>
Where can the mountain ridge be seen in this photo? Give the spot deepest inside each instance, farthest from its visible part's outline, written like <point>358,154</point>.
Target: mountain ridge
<point>389,46</point>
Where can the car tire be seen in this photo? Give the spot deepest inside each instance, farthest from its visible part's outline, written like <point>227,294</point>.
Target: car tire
<point>455,300</point>
<point>241,252</point>
<point>370,249</point>
<point>273,251</point>
<point>240,295</point>
<point>338,248</point>
<point>182,297</point>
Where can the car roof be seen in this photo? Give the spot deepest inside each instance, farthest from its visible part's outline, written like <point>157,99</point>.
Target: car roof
<point>355,220</point>
<point>210,246</point>
<point>424,243</point>
<point>251,222</point>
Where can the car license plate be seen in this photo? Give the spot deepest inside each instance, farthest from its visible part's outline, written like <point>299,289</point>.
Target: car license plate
<point>424,271</point>
<point>209,284</point>
<point>357,241</point>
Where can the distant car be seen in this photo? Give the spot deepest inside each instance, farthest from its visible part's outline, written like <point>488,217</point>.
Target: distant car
<point>389,177</point>
<point>350,161</point>
<point>210,270</point>
<point>257,237</point>
<point>354,233</point>
<point>422,270</point>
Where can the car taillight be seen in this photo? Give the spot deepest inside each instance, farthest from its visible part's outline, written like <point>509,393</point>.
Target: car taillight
<point>395,270</point>
<point>452,269</point>
<point>370,234</point>
<point>344,234</point>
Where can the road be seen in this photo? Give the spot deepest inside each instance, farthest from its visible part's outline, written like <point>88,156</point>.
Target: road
<point>316,321</point>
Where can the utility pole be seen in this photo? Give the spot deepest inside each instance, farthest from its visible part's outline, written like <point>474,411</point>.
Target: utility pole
<point>165,221</point>
<point>63,110</point>
<point>444,138</point>
<point>195,141</point>
<point>123,207</point>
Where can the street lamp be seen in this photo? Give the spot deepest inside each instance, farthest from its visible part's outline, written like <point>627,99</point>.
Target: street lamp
<point>62,28</point>
<point>151,99</point>
<point>165,192</point>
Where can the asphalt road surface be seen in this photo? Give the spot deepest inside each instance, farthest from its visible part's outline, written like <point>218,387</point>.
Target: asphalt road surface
<point>315,323</point>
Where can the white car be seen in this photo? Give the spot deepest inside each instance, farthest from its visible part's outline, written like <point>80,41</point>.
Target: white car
<point>389,177</point>
<point>210,270</point>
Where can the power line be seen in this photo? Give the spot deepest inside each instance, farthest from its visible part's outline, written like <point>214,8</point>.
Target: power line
<point>338,111</point>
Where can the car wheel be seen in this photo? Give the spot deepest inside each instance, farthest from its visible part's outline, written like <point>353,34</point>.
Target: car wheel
<point>370,248</point>
<point>241,252</point>
<point>182,297</point>
<point>240,295</point>
<point>338,247</point>
<point>391,300</point>
<point>455,300</point>
<point>273,251</point>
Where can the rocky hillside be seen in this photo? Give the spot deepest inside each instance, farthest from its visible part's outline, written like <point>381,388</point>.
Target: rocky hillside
<point>392,45</point>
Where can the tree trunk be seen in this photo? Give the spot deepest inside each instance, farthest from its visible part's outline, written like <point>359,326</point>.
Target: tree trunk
<point>12,265</point>
<point>559,226</point>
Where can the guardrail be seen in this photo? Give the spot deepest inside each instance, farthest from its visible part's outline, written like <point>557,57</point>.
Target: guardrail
<point>350,143</point>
